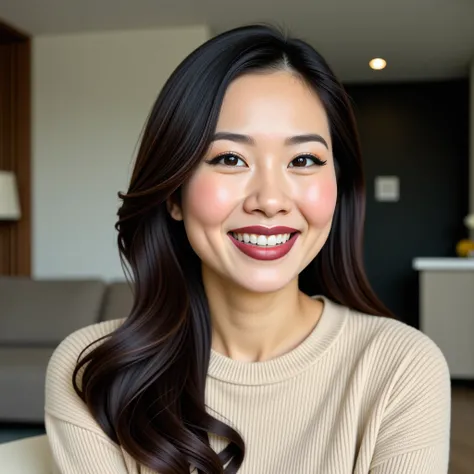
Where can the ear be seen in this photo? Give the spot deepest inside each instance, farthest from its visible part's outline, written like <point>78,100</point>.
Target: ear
<point>174,209</point>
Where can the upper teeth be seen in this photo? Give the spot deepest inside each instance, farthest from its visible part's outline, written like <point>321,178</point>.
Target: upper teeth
<point>262,240</point>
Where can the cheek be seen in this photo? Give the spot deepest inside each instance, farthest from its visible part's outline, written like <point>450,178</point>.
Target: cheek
<point>207,199</point>
<point>318,201</point>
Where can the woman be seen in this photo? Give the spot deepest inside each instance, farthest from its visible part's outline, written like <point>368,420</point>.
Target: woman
<point>255,344</point>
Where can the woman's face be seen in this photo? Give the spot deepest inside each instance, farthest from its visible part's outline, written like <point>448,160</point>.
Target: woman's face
<point>269,166</point>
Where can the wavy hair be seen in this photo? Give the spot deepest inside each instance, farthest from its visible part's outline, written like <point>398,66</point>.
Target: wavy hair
<point>145,383</point>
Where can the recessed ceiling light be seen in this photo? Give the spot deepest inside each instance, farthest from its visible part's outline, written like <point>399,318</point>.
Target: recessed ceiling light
<point>378,64</point>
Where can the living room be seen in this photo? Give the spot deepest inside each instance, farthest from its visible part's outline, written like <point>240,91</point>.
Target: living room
<point>81,81</point>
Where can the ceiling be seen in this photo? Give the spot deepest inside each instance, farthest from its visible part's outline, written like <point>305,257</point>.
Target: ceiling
<point>420,39</point>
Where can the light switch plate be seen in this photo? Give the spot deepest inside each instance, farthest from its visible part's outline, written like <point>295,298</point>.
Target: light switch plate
<point>387,188</point>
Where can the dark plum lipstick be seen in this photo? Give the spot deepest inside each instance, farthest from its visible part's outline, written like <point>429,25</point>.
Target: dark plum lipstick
<point>262,252</point>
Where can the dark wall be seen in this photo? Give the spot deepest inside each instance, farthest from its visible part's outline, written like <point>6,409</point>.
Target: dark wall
<point>419,132</point>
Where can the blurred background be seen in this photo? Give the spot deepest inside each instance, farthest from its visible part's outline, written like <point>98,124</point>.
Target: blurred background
<point>77,80</point>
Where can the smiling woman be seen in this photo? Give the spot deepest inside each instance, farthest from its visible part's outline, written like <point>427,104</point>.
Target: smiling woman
<point>255,344</point>
<point>270,164</point>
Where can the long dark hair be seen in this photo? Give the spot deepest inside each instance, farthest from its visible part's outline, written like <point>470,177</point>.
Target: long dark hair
<point>145,383</point>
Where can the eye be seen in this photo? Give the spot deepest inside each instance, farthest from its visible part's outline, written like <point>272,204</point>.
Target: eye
<point>228,159</point>
<point>306,161</point>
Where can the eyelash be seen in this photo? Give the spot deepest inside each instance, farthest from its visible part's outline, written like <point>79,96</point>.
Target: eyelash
<point>217,160</point>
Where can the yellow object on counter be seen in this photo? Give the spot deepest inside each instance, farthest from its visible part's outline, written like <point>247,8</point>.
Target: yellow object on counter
<point>465,248</point>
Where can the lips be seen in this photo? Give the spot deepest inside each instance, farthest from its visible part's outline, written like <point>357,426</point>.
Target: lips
<point>258,252</point>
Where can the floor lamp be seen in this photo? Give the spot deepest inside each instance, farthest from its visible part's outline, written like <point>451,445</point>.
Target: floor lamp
<point>9,212</point>
<point>9,199</point>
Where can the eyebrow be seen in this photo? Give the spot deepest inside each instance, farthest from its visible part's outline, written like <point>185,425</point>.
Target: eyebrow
<point>247,140</point>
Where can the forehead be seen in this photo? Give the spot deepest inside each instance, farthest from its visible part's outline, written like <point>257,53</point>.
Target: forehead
<point>277,102</point>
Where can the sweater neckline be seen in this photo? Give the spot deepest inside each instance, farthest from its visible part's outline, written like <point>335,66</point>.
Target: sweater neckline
<point>288,365</point>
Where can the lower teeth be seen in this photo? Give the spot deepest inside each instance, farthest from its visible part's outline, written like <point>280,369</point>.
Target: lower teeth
<point>263,246</point>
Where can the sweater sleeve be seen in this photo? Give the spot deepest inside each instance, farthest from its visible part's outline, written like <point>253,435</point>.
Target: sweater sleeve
<point>414,433</point>
<point>77,442</point>
<point>422,461</point>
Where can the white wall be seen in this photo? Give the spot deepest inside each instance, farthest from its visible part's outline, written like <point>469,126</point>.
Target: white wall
<point>91,96</point>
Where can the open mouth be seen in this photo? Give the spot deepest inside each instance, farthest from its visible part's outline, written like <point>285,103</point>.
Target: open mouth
<point>264,247</point>
<point>263,240</point>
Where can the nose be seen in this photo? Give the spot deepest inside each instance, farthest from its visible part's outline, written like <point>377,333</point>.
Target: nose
<point>268,194</point>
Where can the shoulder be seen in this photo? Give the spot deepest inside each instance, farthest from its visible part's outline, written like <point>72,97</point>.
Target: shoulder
<point>400,354</point>
<point>388,338</point>
<point>394,335</point>
<point>61,400</point>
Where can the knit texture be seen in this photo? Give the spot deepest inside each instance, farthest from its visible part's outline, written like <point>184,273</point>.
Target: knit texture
<point>361,394</point>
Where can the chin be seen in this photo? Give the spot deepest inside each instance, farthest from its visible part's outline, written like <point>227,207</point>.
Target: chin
<point>262,285</point>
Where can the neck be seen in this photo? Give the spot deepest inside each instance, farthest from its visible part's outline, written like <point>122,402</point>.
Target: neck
<point>254,327</point>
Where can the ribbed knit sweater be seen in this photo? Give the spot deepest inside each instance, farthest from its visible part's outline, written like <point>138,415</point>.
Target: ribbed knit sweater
<point>361,394</point>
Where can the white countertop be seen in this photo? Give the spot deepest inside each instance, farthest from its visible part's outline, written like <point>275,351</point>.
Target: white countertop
<point>427,263</point>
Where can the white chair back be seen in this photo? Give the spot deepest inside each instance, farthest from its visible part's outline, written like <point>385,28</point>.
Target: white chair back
<point>26,456</point>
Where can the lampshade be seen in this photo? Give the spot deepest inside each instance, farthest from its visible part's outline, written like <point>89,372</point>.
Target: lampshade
<point>9,201</point>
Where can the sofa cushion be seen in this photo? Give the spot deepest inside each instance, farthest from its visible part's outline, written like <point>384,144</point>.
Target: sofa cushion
<point>28,455</point>
<point>44,312</point>
<point>22,375</point>
<point>118,301</point>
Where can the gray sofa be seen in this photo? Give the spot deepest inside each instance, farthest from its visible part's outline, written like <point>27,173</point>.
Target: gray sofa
<point>35,316</point>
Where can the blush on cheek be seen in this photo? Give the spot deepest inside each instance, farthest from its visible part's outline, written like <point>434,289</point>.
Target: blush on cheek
<point>318,201</point>
<point>207,199</point>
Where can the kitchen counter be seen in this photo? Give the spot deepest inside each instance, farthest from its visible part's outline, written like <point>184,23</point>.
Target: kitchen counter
<point>447,310</point>
<point>434,263</point>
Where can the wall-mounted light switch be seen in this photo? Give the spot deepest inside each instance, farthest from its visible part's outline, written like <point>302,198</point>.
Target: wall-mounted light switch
<point>387,188</point>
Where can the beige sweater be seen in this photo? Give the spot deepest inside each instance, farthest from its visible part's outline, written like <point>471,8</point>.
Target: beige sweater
<point>361,394</point>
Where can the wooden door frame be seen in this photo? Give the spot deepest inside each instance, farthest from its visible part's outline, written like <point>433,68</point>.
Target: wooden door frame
<point>15,237</point>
